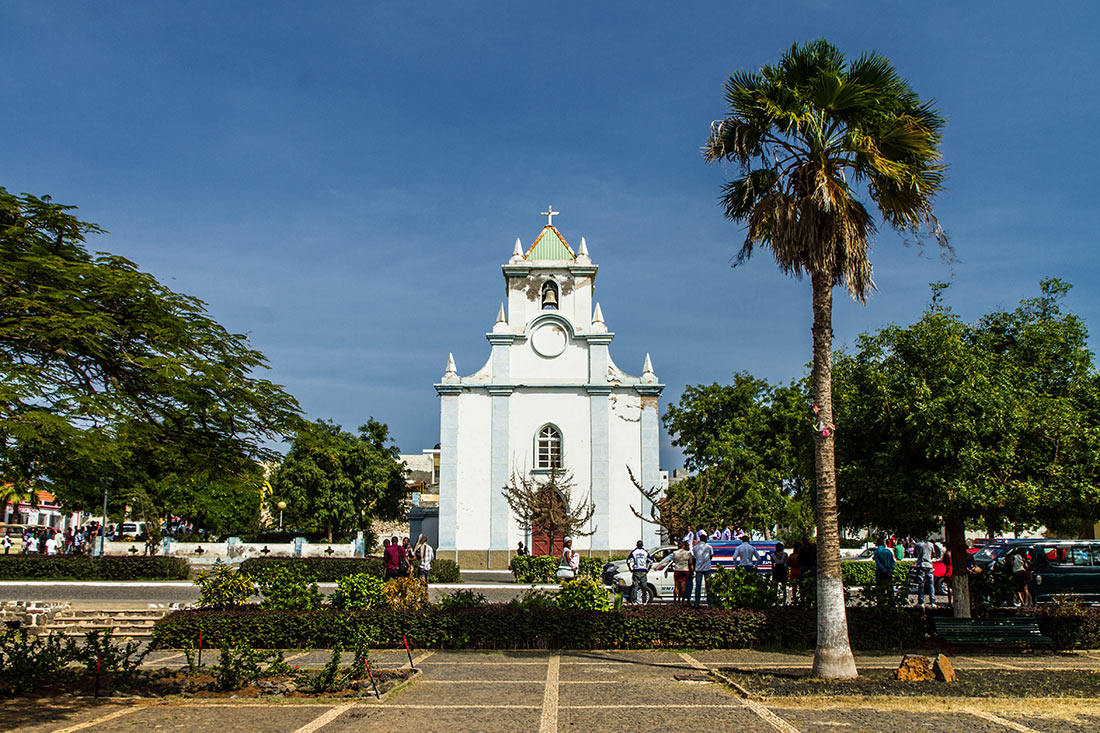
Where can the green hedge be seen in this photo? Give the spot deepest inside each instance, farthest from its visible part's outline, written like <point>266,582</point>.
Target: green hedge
<point>79,567</point>
<point>544,568</point>
<point>863,573</point>
<point>331,569</point>
<point>505,626</point>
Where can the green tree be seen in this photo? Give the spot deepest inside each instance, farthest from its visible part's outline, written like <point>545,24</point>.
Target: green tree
<point>336,482</point>
<point>988,424</point>
<point>803,133</point>
<point>750,450</point>
<point>104,370</point>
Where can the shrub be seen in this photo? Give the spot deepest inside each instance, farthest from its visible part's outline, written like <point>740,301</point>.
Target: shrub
<point>462,599</point>
<point>79,567</point>
<point>29,662</point>
<point>543,568</point>
<point>1070,625</point>
<point>533,598</point>
<point>238,665</point>
<point>406,594</point>
<point>288,587</point>
<point>736,588</point>
<point>118,662</point>
<point>444,571</point>
<point>863,573</point>
<point>358,592</point>
<point>224,587</point>
<point>583,593</point>
<point>331,569</point>
<point>320,569</point>
<point>534,568</point>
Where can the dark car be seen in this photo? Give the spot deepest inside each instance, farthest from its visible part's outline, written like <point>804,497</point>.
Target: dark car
<point>1059,569</point>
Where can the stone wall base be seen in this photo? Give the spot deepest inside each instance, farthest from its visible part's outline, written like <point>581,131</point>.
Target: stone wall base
<point>500,559</point>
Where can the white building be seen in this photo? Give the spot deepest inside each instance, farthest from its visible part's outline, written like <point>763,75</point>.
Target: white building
<point>549,395</point>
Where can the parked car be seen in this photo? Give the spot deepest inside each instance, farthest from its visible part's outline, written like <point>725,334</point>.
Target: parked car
<point>15,532</point>
<point>1060,568</point>
<point>611,569</point>
<point>659,579</point>
<point>130,531</point>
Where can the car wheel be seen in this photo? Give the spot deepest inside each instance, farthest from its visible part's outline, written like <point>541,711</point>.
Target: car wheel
<point>650,594</point>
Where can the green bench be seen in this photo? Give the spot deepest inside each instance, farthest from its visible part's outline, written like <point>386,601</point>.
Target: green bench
<point>1008,630</point>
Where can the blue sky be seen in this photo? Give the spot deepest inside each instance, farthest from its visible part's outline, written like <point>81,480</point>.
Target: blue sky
<point>342,181</point>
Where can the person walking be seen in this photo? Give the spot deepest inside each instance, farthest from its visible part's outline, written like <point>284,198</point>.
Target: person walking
<point>899,550</point>
<point>1021,578</point>
<point>689,537</point>
<point>681,572</point>
<point>639,562</point>
<point>926,583</point>
<point>702,552</point>
<point>567,569</point>
<point>424,556</point>
<point>884,571</point>
<point>7,544</point>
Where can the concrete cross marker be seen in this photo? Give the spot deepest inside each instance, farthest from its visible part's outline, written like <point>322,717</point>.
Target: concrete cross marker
<point>549,214</point>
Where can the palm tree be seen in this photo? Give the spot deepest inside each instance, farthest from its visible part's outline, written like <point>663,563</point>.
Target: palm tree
<point>804,133</point>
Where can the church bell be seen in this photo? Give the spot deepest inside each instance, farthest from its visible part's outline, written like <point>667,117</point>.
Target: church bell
<point>549,299</point>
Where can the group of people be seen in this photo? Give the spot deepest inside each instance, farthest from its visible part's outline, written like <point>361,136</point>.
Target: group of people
<point>405,561</point>
<point>51,541</point>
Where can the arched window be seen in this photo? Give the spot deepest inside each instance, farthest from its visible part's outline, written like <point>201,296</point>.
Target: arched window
<point>550,297</point>
<point>549,448</point>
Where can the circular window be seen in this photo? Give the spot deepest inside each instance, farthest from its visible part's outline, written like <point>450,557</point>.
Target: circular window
<point>549,340</point>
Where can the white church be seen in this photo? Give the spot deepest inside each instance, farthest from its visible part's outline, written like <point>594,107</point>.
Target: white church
<point>549,396</point>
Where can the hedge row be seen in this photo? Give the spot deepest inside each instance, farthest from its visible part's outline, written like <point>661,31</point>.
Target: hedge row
<point>79,567</point>
<point>331,569</point>
<point>863,573</point>
<point>505,626</point>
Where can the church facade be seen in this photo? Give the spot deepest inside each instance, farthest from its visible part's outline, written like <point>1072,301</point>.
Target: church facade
<point>548,397</point>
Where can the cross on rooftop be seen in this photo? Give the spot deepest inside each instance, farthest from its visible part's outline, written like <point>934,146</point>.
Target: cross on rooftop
<point>549,214</point>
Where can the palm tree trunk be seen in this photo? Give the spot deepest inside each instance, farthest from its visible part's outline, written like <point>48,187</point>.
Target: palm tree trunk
<point>833,656</point>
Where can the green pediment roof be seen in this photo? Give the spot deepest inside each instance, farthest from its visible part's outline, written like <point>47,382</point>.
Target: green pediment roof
<point>550,245</point>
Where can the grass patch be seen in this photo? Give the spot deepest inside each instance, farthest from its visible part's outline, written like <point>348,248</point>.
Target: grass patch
<point>984,683</point>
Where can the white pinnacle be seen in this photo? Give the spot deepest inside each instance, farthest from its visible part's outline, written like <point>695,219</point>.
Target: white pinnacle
<point>647,368</point>
<point>517,253</point>
<point>582,252</point>
<point>597,315</point>
<point>450,371</point>
<point>501,317</point>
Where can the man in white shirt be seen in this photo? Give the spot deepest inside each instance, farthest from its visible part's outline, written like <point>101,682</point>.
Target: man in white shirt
<point>689,537</point>
<point>51,546</point>
<point>716,535</point>
<point>727,534</point>
<point>639,562</point>
<point>702,553</point>
<point>744,556</point>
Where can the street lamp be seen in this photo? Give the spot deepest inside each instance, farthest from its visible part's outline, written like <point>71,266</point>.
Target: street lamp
<point>281,505</point>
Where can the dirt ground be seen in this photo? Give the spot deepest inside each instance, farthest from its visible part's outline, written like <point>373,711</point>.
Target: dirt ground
<point>600,690</point>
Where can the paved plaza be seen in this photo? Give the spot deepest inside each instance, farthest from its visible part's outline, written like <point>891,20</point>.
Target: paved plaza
<point>578,690</point>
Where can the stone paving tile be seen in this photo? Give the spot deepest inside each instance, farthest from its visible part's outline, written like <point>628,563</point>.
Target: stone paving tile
<point>641,720</point>
<point>870,720</point>
<point>247,719</point>
<point>1050,724</point>
<point>42,716</point>
<point>406,719</point>
<point>655,692</point>
<point>636,657</point>
<point>511,672</point>
<point>426,693</point>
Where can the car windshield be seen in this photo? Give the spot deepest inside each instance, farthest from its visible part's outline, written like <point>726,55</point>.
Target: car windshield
<point>987,553</point>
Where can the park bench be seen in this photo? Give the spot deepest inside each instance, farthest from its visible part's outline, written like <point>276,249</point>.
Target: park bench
<point>1006,630</point>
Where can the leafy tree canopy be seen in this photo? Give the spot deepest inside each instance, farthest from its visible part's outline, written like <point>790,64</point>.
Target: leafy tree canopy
<point>993,422</point>
<point>108,377</point>
<point>750,444</point>
<point>336,482</point>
